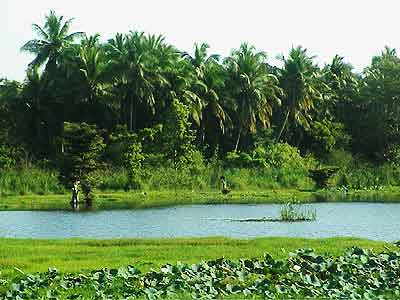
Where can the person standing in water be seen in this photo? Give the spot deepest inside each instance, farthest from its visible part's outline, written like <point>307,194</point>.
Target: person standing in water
<point>224,187</point>
<point>75,194</point>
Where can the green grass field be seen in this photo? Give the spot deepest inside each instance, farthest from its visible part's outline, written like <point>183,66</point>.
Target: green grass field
<point>73,255</point>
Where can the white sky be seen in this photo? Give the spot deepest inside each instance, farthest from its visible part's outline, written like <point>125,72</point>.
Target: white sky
<point>355,29</point>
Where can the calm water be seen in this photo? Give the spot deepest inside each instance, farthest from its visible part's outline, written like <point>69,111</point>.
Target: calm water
<point>376,221</point>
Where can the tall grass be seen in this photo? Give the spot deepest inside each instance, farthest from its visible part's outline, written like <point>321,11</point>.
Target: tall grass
<point>367,177</point>
<point>29,181</point>
<point>207,178</point>
<point>204,178</point>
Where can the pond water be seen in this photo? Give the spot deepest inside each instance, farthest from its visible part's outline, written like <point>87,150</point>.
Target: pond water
<point>377,221</point>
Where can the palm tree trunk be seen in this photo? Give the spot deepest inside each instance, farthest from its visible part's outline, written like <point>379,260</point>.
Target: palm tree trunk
<point>283,126</point>
<point>135,117</point>
<point>202,132</point>
<point>238,138</point>
<point>131,114</point>
<point>38,120</point>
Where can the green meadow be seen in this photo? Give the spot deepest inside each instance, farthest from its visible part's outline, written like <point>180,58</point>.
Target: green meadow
<point>80,255</point>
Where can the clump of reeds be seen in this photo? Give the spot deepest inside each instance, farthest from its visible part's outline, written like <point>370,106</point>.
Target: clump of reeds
<point>293,211</point>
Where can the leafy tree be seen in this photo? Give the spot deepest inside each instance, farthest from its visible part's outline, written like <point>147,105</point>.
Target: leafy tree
<point>133,162</point>
<point>324,136</point>
<point>254,89</point>
<point>83,147</point>
<point>377,125</point>
<point>129,153</point>
<point>177,136</point>
<point>13,139</point>
<point>38,111</point>
<point>10,110</point>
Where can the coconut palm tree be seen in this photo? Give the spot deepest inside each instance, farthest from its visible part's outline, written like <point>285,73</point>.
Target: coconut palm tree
<point>136,71</point>
<point>300,80</point>
<point>39,120</point>
<point>210,79</point>
<point>200,59</point>
<point>53,38</point>
<point>342,85</point>
<point>214,108</point>
<point>254,89</point>
<point>92,65</point>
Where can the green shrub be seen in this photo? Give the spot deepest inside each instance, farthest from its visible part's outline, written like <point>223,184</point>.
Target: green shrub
<point>326,135</point>
<point>322,176</point>
<point>393,155</point>
<point>283,155</point>
<point>235,159</point>
<point>6,157</point>
<point>340,158</point>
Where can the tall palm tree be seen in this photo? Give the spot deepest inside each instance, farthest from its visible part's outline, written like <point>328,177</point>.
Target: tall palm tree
<point>342,85</point>
<point>137,74</point>
<point>39,119</point>
<point>210,82</point>
<point>254,89</point>
<point>299,79</point>
<point>53,37</point>
<point>200,59</point>
<point>92,65</point>
<point>214,81</point>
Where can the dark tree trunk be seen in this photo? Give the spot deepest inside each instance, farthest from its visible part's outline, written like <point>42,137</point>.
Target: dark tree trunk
<point>238,138</point>
<point>130,114</point>
<point>283,126</point>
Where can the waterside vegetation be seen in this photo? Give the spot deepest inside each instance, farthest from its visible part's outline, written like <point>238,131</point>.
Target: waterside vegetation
<point>136,114</point>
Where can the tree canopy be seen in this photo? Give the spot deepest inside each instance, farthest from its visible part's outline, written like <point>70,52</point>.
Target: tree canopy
<point>138,80</point>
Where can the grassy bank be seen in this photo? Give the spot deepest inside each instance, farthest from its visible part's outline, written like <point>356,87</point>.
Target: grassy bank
<point>123,200</point>
<point>40,189</point>
<point>75,255</point>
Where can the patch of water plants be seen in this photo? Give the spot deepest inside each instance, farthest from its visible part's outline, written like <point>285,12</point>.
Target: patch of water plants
<point>357,274</point>
<point>291,211</point>
<point>295,211</point>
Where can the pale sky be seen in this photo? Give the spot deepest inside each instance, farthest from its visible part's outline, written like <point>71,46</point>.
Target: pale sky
<point>355,29</point>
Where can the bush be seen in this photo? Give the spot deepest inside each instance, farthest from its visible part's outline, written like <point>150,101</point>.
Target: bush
<point>282,155</point>
<point>322,176</point>
<point>393,155</point>
<point>324,136</point>
<point>340,158</point>
<point>6,158</point>
<point>277,156</point>
<point>235,159</point>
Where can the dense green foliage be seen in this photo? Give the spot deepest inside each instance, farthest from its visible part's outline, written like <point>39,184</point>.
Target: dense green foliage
<point>82,146</point>
<point>356,274</point>
<point>158,109</point>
